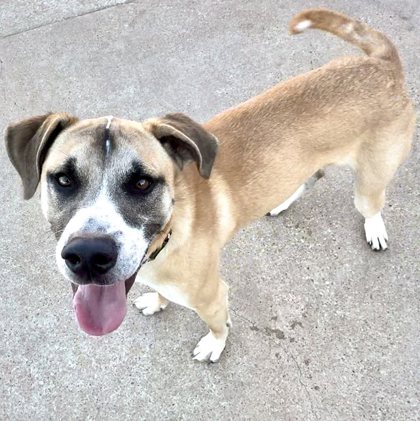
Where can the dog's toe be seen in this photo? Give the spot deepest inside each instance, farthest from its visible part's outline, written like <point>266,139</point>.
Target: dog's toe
<point>209,348</point>
<point>376,234</point>
<point>149,303</point>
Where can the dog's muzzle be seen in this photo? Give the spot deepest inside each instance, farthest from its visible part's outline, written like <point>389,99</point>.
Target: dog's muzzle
<point>100,305</point>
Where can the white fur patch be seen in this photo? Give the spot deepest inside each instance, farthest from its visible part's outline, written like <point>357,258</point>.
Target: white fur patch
<point>150,303</point>
<point>348,27</point>
<point>375,231</point>
<point>103,217</point>
<point>171,292</point>
<point>209,348</point>
<point>301,26</point>
<point>109,121</point>
<point>285,205</point>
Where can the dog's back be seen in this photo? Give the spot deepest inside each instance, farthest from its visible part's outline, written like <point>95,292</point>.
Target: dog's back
<point>331,115</point>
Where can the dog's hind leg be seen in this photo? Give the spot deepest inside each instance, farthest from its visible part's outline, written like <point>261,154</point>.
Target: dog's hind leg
<point>376,164</point>
<point>298,193</point>
<point>285,205</point>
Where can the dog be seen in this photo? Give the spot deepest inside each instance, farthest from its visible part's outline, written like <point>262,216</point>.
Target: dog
<point>158,199</point>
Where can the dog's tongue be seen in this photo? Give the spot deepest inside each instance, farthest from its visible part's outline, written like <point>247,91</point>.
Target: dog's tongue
<point>100,309</point>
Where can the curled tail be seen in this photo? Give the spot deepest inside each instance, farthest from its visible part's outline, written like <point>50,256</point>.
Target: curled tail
<point>372,42</point>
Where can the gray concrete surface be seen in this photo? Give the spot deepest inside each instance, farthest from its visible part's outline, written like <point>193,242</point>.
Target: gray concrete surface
<point>324,329</point>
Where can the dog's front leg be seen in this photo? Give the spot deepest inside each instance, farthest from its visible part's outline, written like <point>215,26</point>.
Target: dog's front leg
<point>150,303</point>
<point>199,289</point>
<point>216,314</point>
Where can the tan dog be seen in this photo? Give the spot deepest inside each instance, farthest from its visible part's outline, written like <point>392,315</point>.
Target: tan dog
<point>117,192</point>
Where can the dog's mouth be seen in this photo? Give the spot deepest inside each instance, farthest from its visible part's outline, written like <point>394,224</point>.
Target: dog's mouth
<point>101,309</point>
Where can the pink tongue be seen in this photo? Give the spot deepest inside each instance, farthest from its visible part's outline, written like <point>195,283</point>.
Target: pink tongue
<point>100,309</point>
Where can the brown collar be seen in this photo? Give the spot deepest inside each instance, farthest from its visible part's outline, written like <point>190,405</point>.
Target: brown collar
<point>154,254</point>
<point>157,244</point>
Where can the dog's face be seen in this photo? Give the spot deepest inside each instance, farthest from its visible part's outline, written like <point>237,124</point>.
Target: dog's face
<point>107,189</point>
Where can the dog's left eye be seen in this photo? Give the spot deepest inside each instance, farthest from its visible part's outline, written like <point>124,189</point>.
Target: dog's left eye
<point>139,185</point>
<point>142,185</point>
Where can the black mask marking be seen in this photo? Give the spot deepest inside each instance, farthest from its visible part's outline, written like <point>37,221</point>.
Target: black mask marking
<point>141,209</point>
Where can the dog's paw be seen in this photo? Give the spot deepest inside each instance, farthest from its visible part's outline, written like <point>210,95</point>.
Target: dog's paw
<point>285,205</point>
<point>375,231</point>
<point>279,209</point>
<point>209,348</point>
<point>150,303</point>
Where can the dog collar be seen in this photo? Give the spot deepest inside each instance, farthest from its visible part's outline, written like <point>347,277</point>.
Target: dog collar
<point>155,253</point>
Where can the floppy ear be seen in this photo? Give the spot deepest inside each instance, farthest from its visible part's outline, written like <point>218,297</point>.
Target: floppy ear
<point>185,140</point>
<point>27,144</point>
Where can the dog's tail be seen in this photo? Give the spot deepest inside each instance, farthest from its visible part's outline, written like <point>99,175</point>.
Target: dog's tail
<point>372,42</point>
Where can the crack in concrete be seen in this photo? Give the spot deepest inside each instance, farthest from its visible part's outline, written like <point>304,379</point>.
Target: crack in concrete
<point>66,18</point>
<point>2,85</point>
<point>305,387</point>
<point>268,334</point>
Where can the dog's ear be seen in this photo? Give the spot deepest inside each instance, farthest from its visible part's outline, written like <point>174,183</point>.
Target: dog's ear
<point>185,140</point>
<point>27,144</point>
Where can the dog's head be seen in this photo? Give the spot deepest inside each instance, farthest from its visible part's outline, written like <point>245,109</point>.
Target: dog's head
<point>107,189</point>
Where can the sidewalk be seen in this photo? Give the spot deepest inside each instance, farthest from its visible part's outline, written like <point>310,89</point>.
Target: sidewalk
<point>323,328</point>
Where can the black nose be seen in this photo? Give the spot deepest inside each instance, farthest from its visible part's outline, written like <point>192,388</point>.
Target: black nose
<point>91,256</point>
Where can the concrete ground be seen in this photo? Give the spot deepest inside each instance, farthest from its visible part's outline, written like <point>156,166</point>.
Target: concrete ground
<point>324,328</point>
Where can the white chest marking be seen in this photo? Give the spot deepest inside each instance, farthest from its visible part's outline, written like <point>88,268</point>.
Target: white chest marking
<point>170,291</point>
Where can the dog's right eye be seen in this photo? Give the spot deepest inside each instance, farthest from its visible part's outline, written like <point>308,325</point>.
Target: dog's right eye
<point>63,180</point>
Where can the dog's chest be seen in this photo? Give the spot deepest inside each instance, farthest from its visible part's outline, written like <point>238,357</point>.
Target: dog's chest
<point>148,275</point>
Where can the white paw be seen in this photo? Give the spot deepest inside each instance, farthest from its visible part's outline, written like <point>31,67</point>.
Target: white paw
<point>375,232</point>
<point>209,348</point>
<point>285,205</point>
<point>279,209</point>
<point>149,303</point>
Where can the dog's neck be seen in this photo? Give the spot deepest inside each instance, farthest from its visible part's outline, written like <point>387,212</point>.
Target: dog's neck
<point>158,243</point>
